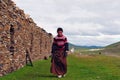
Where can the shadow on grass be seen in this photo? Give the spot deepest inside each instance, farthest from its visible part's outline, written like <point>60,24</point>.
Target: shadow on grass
<point>47,76</point>
<point>39,75</point>
<point>29,65</point>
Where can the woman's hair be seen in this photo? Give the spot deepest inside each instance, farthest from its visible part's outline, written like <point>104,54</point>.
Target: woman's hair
<point>59,29</point>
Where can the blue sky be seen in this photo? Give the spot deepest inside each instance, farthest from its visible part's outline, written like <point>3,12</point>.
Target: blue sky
<point>85,22</point>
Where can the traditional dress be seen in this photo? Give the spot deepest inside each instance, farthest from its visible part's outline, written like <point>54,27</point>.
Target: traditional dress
<point>59,48</point>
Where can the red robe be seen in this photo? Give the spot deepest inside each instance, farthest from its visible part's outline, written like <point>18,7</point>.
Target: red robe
<point>58,61</point>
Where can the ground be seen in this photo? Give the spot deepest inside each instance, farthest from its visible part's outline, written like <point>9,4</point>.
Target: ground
<point>80,67</point>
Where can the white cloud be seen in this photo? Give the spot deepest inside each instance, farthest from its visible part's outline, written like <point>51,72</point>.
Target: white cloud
<point>102,40</point>
<point>117,22</point>
<point>85,22</point>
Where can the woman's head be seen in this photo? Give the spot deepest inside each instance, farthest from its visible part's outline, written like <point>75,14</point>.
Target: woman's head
<point>60,31</point>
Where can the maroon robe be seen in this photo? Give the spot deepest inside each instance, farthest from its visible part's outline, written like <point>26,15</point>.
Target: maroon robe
<point>58,61</point>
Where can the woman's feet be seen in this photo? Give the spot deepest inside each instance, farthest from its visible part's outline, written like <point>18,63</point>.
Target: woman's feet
<point>64,75</point>
<point>60,76</point>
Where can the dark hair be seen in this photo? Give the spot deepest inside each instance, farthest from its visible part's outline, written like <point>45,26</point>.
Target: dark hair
<point>59,29</point>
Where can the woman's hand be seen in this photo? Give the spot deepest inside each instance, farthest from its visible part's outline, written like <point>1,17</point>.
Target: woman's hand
<point>66,53</point>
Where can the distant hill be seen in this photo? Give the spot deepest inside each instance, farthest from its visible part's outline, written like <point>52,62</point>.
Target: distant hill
<point>74,46</point>
<point>114,45</point>
<point>113,48</point>
<point>83,47</point>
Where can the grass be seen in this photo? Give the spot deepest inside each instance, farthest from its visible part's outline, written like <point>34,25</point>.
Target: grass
<point>98,67</point>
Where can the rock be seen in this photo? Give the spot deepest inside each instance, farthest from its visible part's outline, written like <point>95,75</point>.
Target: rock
<point>1,75</point>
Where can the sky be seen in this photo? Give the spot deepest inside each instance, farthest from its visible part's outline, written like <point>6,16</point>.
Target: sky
<point>85,22</point>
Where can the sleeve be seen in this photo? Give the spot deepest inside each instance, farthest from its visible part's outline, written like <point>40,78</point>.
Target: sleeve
<point>65,40</point>
<point>66,48</point>
<point>53,46</point>
<point>66,45</point>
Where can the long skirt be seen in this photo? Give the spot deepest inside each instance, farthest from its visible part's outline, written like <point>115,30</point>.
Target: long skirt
<point>58,63</point>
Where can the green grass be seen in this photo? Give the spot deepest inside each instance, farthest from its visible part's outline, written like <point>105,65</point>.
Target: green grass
<point>97,67</point>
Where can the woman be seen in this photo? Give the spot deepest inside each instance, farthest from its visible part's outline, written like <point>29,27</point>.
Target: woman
<point>59,54</point>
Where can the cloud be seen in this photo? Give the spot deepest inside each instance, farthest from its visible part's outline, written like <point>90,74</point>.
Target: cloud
<point>102,40</point>
<point>117,22</point>
<point>85,22</point>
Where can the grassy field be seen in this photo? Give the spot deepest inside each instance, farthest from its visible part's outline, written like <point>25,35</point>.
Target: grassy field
<point>97,67</point>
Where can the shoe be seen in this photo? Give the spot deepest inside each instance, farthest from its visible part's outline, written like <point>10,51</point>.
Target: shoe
<point>59,76</point>
<point>64,75</point>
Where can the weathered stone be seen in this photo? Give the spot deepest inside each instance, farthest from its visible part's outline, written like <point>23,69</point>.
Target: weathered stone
<point>19,33</point>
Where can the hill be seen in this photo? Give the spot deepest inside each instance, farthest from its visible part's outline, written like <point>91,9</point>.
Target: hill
<point>83,47</point>
<point>114,45</point>
<point>112,48</point>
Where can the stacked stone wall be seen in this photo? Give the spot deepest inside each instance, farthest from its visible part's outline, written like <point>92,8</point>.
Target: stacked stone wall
<point>19,33</point>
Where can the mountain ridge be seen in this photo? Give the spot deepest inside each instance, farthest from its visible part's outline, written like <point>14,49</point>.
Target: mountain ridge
<point>71,45</point>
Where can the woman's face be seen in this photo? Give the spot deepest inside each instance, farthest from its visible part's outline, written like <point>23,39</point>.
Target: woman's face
<point>60,33</point>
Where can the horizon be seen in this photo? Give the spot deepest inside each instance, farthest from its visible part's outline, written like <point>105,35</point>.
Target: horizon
<point>89,45</point>
<point>95,22</point>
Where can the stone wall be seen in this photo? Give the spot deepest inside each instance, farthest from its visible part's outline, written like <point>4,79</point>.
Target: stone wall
<point>19,33</point>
